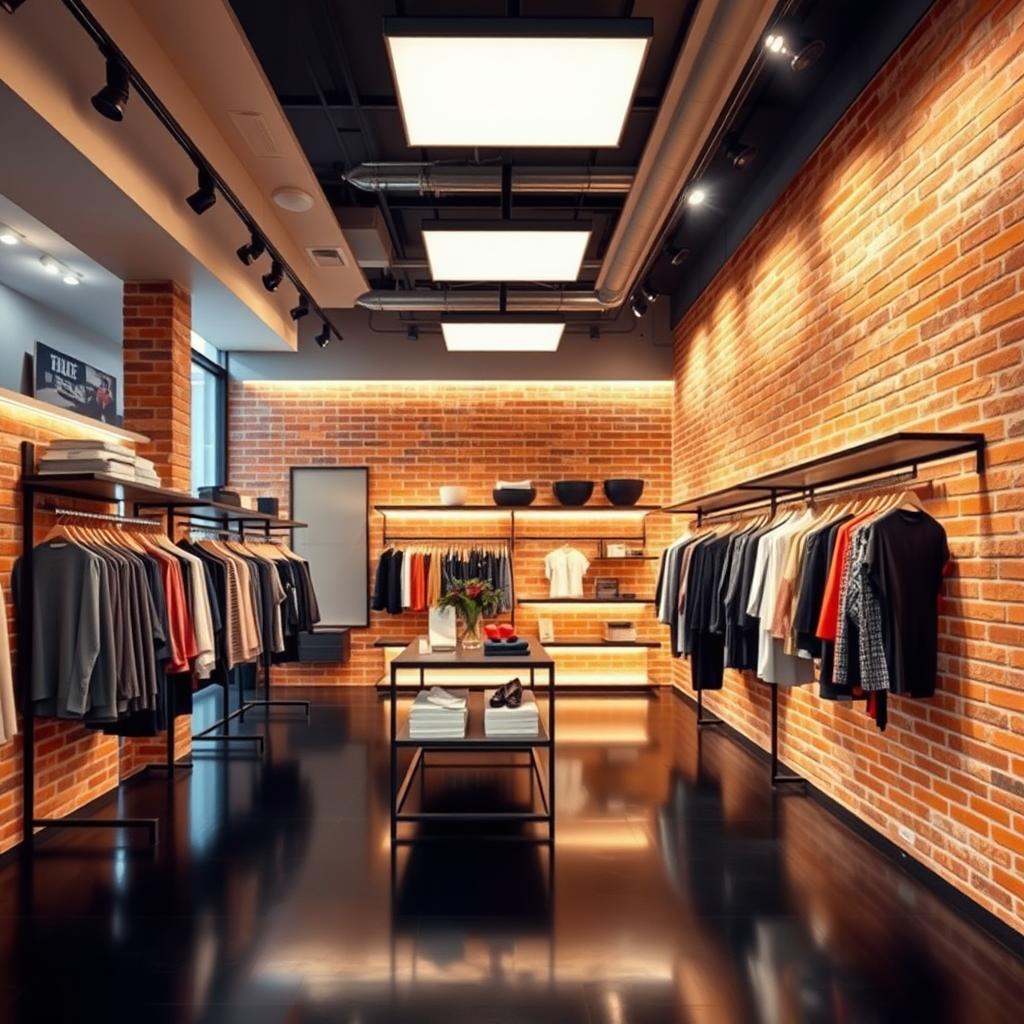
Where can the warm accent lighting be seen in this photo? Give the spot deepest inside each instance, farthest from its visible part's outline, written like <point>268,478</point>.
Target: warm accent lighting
<point>696,196</point>
<point>35,411</point>
<point>511,252</point>
<point>502,336</point>
<point>515,81</point>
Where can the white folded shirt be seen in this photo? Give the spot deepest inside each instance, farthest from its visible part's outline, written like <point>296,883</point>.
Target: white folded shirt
<point>446,699</point>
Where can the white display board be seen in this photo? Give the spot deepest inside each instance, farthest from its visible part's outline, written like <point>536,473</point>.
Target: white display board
<point>333,500</point>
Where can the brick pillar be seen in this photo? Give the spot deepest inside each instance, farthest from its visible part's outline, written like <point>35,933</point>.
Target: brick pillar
<point>158,403</point>
<point>158,375</point>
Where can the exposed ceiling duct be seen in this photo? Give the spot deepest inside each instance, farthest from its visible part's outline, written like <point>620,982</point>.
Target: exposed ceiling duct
<point>439,180</point>
<point>722,37</point>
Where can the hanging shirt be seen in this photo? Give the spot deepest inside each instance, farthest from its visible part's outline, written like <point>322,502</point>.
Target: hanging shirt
<point>565,568</point>
<point>8,719</point>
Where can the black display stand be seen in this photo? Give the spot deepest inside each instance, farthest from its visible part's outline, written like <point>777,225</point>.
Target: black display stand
<point>859,468</point>
<point>477,742</point>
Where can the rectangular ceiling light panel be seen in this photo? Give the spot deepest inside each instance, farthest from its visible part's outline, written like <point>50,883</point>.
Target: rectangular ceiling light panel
<point>502,336</point>
<point>516,81</point>
<point>511,251</point>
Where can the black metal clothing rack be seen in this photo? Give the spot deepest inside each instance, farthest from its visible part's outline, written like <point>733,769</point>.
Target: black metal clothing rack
<point>860,468</point>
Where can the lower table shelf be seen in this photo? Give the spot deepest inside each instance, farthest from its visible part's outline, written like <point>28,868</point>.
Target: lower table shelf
<point>476,738</point>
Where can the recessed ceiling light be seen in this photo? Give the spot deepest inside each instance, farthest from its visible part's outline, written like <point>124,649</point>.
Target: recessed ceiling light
<point>71,278</point>
<point>516,81</point>
<point>506,251</point>
<point>8,236</point>
<point>50,265</point>
<point>502,336</point>
<point>696,196</point>
<point>294,200</point>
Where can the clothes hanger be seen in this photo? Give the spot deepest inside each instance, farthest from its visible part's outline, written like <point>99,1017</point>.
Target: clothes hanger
<point>59,531</point>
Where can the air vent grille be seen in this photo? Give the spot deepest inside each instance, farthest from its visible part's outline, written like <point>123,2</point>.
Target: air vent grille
<point>329,258</point>
<point>255,133</point>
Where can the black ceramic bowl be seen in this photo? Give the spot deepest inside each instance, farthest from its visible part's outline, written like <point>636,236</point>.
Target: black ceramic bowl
<point>514,497</point>
<point>573,492</point>
<point>623,491</point>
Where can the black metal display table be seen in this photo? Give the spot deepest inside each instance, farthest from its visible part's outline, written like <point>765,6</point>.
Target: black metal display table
<point>477,743</point>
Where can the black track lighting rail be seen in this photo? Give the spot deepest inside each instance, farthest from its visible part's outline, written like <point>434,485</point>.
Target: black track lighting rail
<point>112,52</point>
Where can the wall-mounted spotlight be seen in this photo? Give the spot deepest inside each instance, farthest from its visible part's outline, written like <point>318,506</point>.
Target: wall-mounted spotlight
<point>638,306</point>
<point>111,100</point>
<point>252,250</point>
<point>696,196</point>
<point>324,337</point>
<point>738,153</point>
<point>677,257</point>
<point>10,6</point>
<point>800,52</point>
<point>205,195</point>
<point>302,309</point>
<point>273,277</point>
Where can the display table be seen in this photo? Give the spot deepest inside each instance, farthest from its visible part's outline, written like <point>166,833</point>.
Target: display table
<point>476,741</point>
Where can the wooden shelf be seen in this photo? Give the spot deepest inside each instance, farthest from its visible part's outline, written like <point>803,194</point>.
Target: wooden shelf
<point>102,487</point>
<point>626,558</point>
<point>904,450</point>
<point>585,600</point>
<point>519,509</point>
<point>35,405</point>
<point>588,642</point>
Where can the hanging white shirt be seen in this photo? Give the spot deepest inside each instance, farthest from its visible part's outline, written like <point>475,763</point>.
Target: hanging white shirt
<point>565,567</point>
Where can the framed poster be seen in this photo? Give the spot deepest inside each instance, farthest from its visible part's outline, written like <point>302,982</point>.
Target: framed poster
<point>70,383</point>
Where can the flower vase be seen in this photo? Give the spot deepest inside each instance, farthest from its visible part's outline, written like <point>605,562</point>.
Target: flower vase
<point>472,634</point>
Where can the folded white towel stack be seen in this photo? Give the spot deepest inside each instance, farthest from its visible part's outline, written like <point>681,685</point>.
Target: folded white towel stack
<point>513,485</point>
<point>505,721</point>
<point>431,720</point>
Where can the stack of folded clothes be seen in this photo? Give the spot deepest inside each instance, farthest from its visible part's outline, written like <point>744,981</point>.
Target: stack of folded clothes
<point>510,719</point>
<point>506,646</point>
<point>88,457</point>
<point>439,714</point>
<point>98,457</point>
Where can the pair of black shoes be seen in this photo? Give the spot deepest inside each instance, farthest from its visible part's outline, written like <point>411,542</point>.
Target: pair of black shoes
<point>508,696</point>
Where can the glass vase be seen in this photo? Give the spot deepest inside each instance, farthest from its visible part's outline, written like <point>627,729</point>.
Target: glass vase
<point>472,634</point>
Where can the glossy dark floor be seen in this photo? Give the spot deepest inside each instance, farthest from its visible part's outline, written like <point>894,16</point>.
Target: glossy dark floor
<point>683,892</point>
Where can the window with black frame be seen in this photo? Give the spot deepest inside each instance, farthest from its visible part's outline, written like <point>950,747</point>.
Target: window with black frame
<point>209,414</point>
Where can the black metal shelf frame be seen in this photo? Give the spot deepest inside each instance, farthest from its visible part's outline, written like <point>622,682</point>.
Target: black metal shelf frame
<point>859,467</point>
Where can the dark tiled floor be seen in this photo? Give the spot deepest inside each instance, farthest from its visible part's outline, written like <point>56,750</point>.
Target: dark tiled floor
<point>683,892</point>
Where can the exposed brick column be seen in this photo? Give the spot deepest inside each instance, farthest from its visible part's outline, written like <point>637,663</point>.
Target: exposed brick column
<point>158,403</point>
<point>158,374</point>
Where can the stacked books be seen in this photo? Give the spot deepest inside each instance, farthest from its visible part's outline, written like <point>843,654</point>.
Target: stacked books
<point>439,714</point>
<point>505,721</point>
<point>98,457</point>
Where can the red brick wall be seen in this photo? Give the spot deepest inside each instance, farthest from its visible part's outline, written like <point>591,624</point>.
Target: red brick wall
<point>883,291</point>
<point>158,403</point>
<point>73,764</point>
<point>417,436</point>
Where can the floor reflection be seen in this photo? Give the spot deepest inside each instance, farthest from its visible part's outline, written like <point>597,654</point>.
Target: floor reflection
<point>682,891</point>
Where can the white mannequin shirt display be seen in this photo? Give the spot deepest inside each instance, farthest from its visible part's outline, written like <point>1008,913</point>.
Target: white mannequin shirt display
<point>565,568</point>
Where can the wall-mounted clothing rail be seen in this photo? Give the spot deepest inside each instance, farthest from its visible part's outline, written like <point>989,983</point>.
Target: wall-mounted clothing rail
<point>904,450</point>
<point>103,517</point>
<point>886,462</point>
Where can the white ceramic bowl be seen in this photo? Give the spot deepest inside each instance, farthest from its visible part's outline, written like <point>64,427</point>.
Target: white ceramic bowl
<point>453,495</point>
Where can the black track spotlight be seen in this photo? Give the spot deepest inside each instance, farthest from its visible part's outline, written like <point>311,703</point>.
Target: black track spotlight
<point>799,51</point>
<point>302,309</point>
<point>10,6</point>
<point>205,195</point>
<point>110,101</point>
<point>738,153</point>
<point>412,333</point>
<point>638,306</point>
<point>324,337</point>
<point>273,277</point>
<point>677,257</point>
<point>807,55</point>
<point>252,250</point>
<point>647,293</point>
